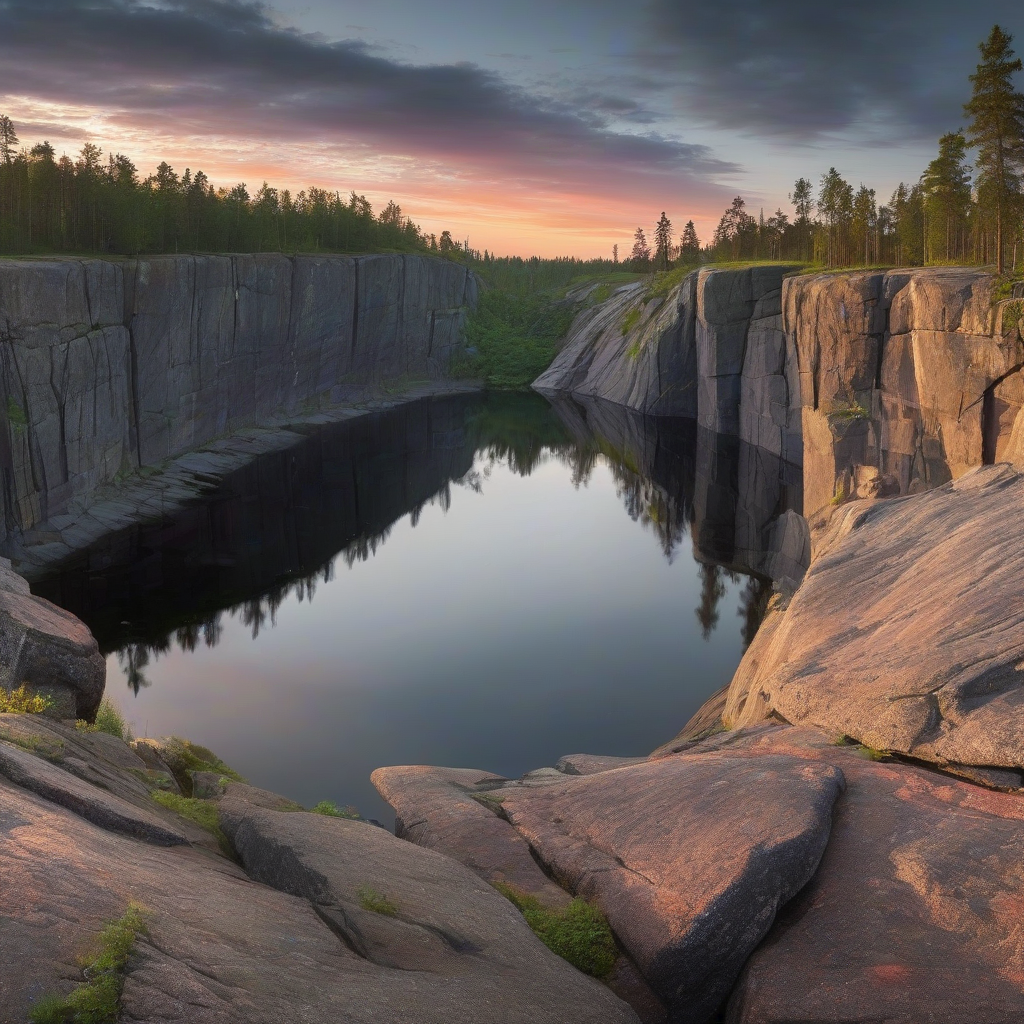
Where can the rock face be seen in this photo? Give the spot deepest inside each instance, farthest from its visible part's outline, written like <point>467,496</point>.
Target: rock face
<point>713,350</point>
<point>48,650</point>
<point>106,368</point>
<point>907,379</point>
<point>689,875</point>
<point>294,939</point>
<point>913,913</point>
<point>908,631</point>
<point>650,366</point>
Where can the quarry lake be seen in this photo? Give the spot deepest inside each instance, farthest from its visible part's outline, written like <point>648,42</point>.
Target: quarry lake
<point>486,581</point>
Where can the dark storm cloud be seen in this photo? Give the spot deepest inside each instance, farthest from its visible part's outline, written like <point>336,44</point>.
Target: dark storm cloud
<point>800,68</point>
<point>224,66</point>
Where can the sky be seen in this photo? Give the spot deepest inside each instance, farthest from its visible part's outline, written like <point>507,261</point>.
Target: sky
<point>527,127</point>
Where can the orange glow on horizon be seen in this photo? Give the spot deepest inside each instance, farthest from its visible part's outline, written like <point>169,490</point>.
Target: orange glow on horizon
<point>505,215</point>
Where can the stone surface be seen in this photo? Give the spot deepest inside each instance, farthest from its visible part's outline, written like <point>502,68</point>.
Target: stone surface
<point>652,367</point>
<point>591,764</point>
<point>905,381</point>
<point>689,858</point>
<point>109,367</point>
<point>444,809</point>
<point>58,786</point>
<point>51,651</point>
<point>914,912</point>
<point>908,632</point>
<point>452,941</point>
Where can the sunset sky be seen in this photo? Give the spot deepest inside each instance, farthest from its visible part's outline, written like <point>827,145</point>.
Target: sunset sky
<point>528,127</point>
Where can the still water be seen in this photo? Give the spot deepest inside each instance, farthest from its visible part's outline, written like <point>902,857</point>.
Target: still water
<point>485,581</point>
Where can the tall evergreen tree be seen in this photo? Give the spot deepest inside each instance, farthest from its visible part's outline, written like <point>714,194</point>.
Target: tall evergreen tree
<point>689,244</point>
<point>865,216</point>
<point>802,198</point>
<point>8,139</point>
<point>996,112</point>
<point>662,243</point>
<point>946,184</point>
<point>640,257</point>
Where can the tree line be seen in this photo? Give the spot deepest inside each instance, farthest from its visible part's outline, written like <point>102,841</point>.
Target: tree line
<point>91,205</point>
<point>954,213</point>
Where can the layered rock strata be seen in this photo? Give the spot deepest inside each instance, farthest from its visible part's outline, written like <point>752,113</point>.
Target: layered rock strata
<point>109,368</point>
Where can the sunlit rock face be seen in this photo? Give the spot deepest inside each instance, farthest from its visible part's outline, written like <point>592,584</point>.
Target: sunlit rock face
<point>907,380</point>
<point>108,368</point>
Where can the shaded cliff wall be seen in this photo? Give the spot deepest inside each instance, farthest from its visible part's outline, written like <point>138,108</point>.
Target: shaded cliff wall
<point>107,368</point>
<point>713,350</point>
<point>907,379</point>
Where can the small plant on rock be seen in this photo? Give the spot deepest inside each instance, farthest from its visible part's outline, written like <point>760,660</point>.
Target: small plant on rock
<point>98,999</point>
<point>110,719</point>
<point>578,933</point>
<point>22,702</point>
<point>376,902</point>
<point>331,810</point>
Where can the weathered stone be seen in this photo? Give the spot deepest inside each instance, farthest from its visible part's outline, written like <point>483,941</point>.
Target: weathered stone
<point>445,809</point>
<point>50,651</point>
<point>106,368</point>
<point>908,632</point>
<point>591,764</point>
<point>913,913</point>
<point>462,946</point>
<point>104,809</point>
<point>689,874</point>
<point>651,367</point>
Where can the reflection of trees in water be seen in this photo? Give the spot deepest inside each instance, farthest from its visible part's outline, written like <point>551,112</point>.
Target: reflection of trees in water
<point>499,437</point>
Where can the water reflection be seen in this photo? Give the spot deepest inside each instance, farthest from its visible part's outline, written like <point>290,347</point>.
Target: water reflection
<point>276,529</point>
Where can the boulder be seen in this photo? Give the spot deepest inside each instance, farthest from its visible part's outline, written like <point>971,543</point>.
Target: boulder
<point>52,652</point>
<point>445,809</point>
<point>431,929</point>
<point>908,632</point>
<point>689,858</point>
<point>913,913</point>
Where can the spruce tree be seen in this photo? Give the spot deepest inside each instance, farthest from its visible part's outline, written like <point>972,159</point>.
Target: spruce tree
<point>947,196</point>
<point>662,243</point>
<point>8,139</point>
<point>640,257</point>
<point>996,112</point>
<point>689,244</point>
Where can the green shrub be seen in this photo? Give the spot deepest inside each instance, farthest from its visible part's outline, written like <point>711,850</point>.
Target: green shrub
<point>334,811</point>
<point>97,999</point>
<point>21,702</point>
<point>1013,313</point>
<point>631,319</point>
<point>110,719</point>
<point>378,903</point>
<point>513,338</point>
<point>184,757</point>
<point>578,933</point>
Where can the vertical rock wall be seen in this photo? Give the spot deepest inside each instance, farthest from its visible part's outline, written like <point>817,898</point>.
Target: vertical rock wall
<point>907,380</point>
<point>107,368</point>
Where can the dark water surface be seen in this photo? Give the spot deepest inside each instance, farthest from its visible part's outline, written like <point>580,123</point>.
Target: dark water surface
<point>482,581</point>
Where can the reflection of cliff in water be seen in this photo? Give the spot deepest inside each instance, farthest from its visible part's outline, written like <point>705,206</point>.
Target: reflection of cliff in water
<point>277,527</point>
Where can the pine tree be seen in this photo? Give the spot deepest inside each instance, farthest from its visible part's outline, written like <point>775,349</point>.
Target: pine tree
<point>996,111</point>
<point>802,198</point>
<point>835,204</point>
<point>689,243</point>
<point>8,139</point>
<point>865,216</point>
<point>640,257</point>
<point>662,243</point>
<point>947,197</point>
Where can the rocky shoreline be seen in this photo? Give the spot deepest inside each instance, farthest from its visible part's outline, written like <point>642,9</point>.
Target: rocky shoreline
<point>834,838</point>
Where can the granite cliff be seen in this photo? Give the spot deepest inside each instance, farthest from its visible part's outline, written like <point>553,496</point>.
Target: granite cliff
<point>110,368</point>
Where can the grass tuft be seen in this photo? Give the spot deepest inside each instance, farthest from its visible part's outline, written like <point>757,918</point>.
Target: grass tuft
<point>97,999</point>
<point>109,719</point>
<point>665,280</point>
<point>376,902</point>
<point>332,810</point>
<point>184,757</point>
<point>578,933</point>
<point>630,320</point>
<point>202,812</point>
<point>22,702</point>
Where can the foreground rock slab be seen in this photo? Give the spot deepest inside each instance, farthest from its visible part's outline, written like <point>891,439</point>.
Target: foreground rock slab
<point>908,632</point>
<point>914,913</point>
<point>462,947</point>
<point>689,858</point>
